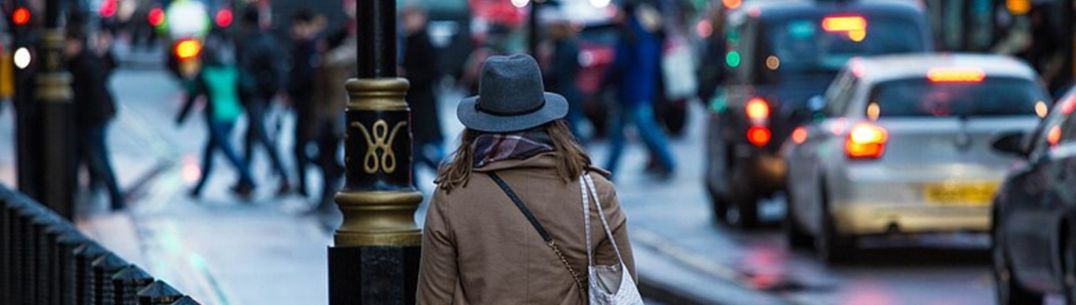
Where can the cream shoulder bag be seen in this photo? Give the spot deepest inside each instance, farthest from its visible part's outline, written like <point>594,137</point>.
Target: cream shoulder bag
<point>612,284</point>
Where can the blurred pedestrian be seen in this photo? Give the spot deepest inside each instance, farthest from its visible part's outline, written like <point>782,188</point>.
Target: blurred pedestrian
<point>304,64</point>
<point>635,70</point>
<point>260,65</point>
<point>420,68</point>
<point>338,59</point>
<point>516,157</point>
<point>94,108</point>
<point>712,66</point>
<point>563,71</point>
<point>218,84</point>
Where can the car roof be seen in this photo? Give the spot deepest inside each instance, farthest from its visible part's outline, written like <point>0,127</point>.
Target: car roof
<point>778,9</point>
<point>889,67</point>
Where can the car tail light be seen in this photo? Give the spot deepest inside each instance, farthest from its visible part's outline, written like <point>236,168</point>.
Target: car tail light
<point>866,141</point>
<point>956,75</point>
<point>21,16</point>
<point>759,136</point>
<point>1054,136</point>
<point>758,110</point>
<point>1068,105</point>
<point>188,49</point>
<point>799,135</point>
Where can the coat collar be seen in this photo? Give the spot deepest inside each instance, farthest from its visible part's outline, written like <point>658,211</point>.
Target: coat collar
<point>543,160</point>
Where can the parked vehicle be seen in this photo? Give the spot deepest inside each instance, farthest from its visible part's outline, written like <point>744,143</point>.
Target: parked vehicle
<point>902,145</point>
<point>1034,214</point>
<point>780,54</point>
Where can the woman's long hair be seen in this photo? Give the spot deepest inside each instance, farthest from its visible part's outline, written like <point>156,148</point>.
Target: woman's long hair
<point>572,160</point>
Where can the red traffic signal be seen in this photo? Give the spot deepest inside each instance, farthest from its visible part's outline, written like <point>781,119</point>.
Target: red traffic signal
<point>21,16</point>
<point>223,18</point>
<point>155,17</point>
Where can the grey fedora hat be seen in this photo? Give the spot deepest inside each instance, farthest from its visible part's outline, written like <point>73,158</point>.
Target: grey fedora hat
<point>510,97</point>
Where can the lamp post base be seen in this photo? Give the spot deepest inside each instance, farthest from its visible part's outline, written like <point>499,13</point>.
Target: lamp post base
<point>366,275</point>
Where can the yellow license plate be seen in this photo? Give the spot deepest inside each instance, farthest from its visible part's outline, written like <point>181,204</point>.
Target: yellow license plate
<point>960,193</point>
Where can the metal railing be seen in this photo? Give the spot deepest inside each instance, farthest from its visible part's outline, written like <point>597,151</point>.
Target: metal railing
<point>45,260</point>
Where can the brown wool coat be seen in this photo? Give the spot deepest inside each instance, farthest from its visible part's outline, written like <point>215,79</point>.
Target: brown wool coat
<point>478,248</point>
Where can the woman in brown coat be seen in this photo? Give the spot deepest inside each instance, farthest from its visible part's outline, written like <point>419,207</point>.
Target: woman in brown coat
<point>478,246</point>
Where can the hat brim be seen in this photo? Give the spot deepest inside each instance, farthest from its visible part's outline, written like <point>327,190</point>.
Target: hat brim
<point>555,108</point>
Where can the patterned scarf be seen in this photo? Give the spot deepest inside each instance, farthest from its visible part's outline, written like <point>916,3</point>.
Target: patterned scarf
<point>493,147</point>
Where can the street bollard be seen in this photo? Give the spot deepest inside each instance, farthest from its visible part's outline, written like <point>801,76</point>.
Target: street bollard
<point>374,259</point>
<point>104,268</point>
<point>158,293</point>
<point>65,255</point>
<point>84,257</point>
<point>185,301</point>
<point>127,283</point>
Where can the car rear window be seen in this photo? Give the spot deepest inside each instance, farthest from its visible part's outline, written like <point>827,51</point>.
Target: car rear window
<point>815,44</point>
<point>925,98</point>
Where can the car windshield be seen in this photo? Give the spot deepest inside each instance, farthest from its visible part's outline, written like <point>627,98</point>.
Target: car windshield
<point>925,98</point>
<point>824,44</point>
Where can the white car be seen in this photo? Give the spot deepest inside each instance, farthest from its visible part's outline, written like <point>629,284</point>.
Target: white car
<point>902,145</point>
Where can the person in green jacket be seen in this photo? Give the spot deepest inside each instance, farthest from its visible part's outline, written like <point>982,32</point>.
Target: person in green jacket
<point>218,83</point>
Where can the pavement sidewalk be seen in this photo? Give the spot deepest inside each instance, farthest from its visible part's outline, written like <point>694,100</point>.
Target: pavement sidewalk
<point>221,250</point>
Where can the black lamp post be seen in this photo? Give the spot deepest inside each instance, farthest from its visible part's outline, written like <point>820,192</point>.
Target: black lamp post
<point>375,256</point>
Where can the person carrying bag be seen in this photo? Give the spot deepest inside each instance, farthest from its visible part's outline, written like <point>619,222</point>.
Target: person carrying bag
<point>517,172</point>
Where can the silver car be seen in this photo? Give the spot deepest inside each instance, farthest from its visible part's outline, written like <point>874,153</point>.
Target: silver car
<point>902,145</point>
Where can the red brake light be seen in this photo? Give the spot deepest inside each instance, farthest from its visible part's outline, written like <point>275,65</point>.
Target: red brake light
<point>758,110</point>
<point>223,18</point>
<point>956,75</point>
<point>866,141</point>
<point>1069,105</point>
<point>108,8</point>
<point>759,136</point>
<point>188,49</point>
<point>155,17</point>
<point>21,16</point>
<point>799,135</point>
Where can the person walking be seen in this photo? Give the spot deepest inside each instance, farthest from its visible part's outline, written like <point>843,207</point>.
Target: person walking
<point>504,226</point>
<point>638,58</point>
<point>218,83</point>
<point>564,72</point>
<point>420,68</point>
<point>330,99</point>
<point>259,64</point>
<point>94,108</point>
<point>304,64</point>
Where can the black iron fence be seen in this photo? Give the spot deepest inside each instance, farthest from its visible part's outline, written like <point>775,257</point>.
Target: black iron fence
<point>45,260</point>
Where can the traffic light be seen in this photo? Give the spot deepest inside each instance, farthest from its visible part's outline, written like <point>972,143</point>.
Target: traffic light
<point>223,18</point>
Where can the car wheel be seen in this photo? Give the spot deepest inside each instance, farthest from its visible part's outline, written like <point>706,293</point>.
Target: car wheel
<point>746,209</point>
<point>794,234</point>
<point>1008,291</point>
<point>719,204</point>
<point>830,246</point>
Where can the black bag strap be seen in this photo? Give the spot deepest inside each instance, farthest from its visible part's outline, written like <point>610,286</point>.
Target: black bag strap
<point>541,230</point>
<point>522,207</point>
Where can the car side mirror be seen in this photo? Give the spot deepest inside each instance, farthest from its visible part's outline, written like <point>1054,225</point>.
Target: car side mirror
<point>1011,143</point>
